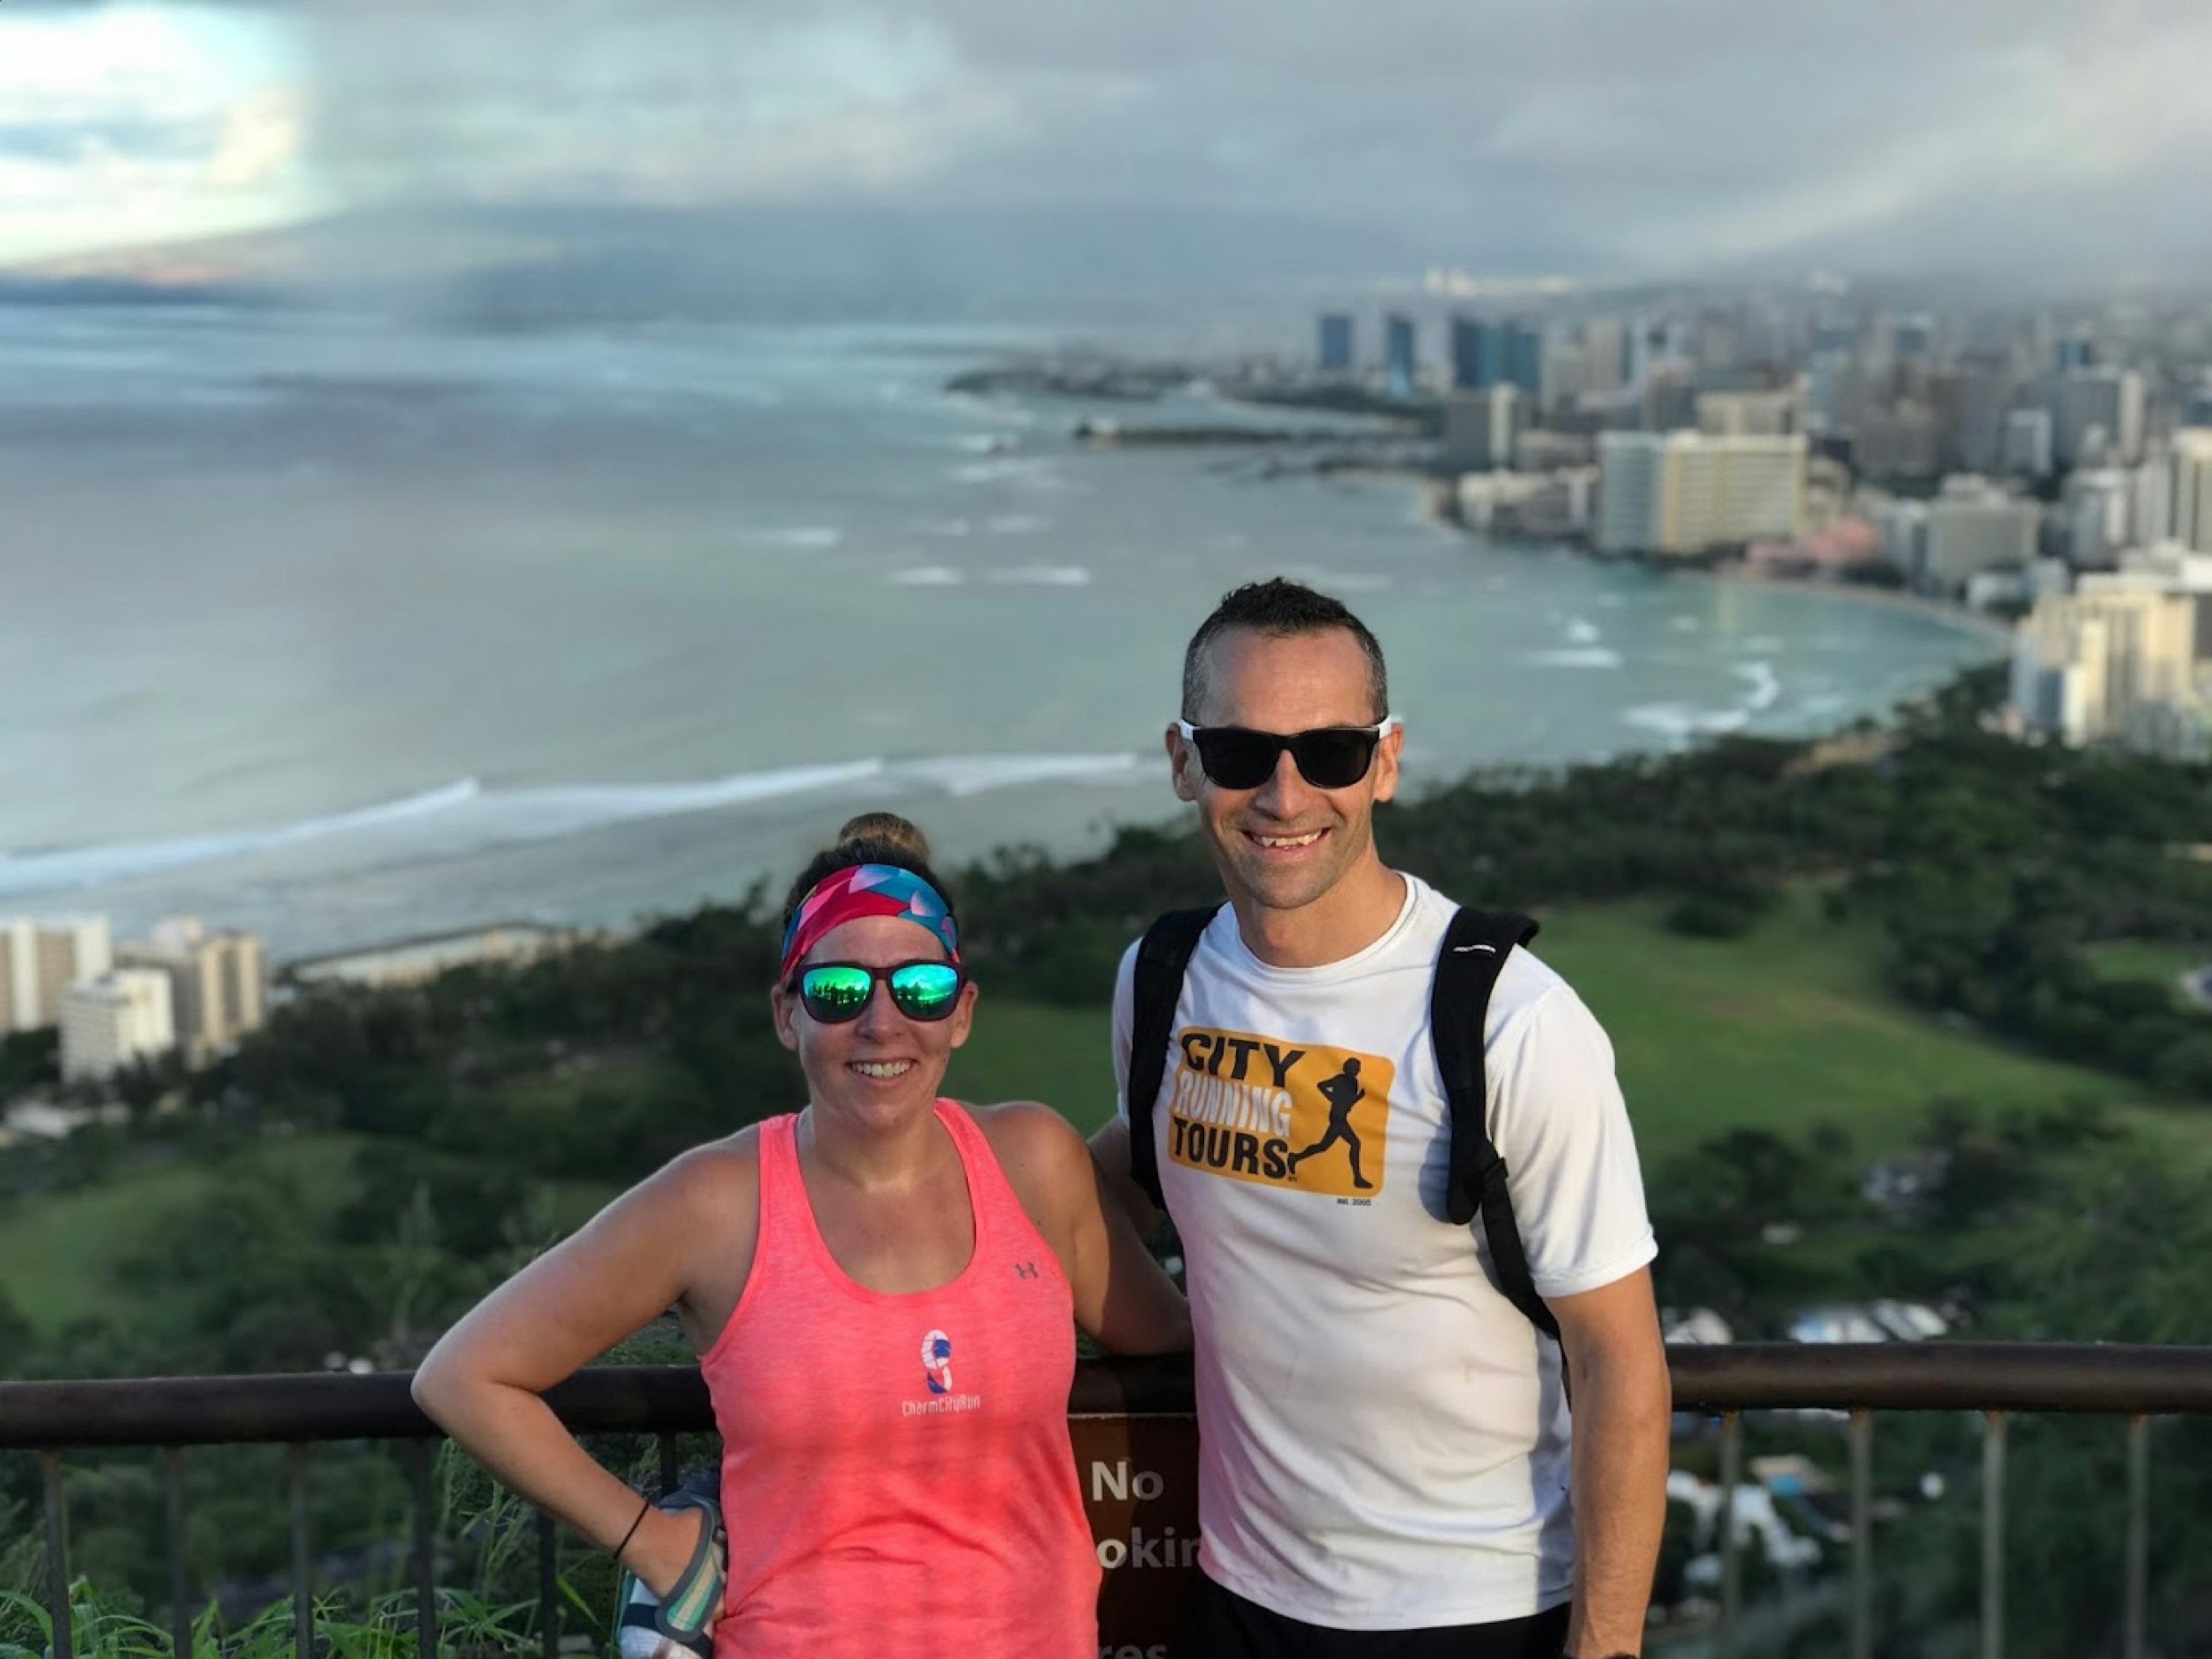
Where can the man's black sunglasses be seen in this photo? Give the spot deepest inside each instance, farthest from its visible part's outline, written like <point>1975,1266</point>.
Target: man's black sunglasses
<point>1327,757</point>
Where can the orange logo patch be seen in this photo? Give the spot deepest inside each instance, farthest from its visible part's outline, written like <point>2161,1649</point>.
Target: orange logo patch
<point>1309,1118</point>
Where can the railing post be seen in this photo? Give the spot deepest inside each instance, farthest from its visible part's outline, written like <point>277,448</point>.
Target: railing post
<point>58,1572</point>
<point>1993,1536</point>
<point>180,1615</point>
<point>426,1583</point>
<point>1731,1555</point>
<point>549,1604</point>
<point>669,1472</point>
<point>303,1595</point>
<point>2134,1620</point>
<point>1861,1535</point>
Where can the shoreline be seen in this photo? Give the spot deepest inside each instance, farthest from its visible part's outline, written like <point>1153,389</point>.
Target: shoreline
<point>1999,635</point>
<point>1436,492</point>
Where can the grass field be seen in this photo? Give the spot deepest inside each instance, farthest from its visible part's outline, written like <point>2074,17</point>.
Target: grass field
<point>2151,959</point>
<point>58,1254</point>
<point>1784,1028</point>
<point>1029,1051</point>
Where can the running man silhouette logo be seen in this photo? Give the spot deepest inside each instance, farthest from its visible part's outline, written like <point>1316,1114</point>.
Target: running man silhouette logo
<point>937,1362</point>
<point>1342,1092</point>
<point>1259,1109</point>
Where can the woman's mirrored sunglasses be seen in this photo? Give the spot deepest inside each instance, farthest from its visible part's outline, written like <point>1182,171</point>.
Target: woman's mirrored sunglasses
<point>1327,757</point>
<point>836,991</point>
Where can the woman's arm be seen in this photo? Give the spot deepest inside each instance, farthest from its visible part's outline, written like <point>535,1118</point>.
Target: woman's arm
<point>1123,1297</point>
<point>481,1382</point>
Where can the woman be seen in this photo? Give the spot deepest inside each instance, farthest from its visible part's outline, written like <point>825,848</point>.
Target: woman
<point>883,1290</point>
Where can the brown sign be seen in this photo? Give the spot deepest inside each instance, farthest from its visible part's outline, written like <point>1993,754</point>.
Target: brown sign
<point>1139,1480</point>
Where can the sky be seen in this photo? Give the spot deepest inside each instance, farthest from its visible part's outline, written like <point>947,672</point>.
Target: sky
<point>1622,136</point>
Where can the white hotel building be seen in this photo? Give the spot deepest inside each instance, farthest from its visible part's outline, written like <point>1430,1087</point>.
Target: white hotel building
<point>1684,493</point>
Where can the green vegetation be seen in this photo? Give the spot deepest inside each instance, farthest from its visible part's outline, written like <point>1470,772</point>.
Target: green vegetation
<point>62,1256</point>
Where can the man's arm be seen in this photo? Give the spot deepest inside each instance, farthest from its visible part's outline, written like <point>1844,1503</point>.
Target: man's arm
<point>1109,1151</point>
<point>1623,1401</point>
<point>1109,1147</point>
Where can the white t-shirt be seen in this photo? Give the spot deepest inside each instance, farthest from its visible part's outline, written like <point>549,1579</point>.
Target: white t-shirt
<point>1384,1439</point>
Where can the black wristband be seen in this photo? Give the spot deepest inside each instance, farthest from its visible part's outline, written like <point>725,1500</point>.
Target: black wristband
<point>642,1511</point>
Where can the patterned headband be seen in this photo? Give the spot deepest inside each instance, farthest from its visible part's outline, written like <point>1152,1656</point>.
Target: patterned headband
<point>866,890</point>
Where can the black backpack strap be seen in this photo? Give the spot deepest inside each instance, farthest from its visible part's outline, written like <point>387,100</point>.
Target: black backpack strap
<point>1474,949</point>
<point>1162,955</point>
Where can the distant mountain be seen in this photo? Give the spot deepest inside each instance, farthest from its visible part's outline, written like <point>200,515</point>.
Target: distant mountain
<point>521,264</point>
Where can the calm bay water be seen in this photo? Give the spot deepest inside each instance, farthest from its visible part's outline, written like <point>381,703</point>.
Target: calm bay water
<point>344,628</point>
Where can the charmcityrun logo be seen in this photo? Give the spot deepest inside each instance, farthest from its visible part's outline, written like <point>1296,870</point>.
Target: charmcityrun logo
<point>1305,1118</point>
<point>937,1373</point>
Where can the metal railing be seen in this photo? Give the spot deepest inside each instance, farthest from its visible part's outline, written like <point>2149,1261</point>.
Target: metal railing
<point>1995,1380</point>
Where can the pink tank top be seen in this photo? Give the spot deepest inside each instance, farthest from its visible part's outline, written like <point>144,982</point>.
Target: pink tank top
<point>896,1472</point>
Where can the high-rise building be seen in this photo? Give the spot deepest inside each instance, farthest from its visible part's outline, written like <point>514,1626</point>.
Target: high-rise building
<point>19,976</point>
<point>2192,488</point>
<point>1630,485</point>
<point>2096,417</point>
<point>1563,376</point>
<point>1905,538</point>
<point>1605,354</point>
<point>1335,355</point>
<point>2096,512</point>
<point>2197,405</point>
<point>1480,427</point>
<point>110,1021</point>
<point>1524,359</point>
<point>1670,398</point>
<point>1683,493</point>
<point>2076,350</point>
<point>1912,337</point>
<point>2112,663</point>
<point>1477,354</point>
<point>1903,441</point>
<point>2150,501</point>
<point>1401,359</point>
<point>69,952</point>
<point>1973,526</point>
<point>1652,342</point>
<point>2027,448</point>
<point>1970,402</point>
<point>217,984</point>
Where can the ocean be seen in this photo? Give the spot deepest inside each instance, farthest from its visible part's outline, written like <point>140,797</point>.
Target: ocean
<point>348,627</point>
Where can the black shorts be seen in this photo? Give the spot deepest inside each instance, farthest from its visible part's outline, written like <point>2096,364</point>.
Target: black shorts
<point>1224,1626</point>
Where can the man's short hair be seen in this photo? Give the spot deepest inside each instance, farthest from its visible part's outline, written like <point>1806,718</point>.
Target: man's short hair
<point>1282,609</point>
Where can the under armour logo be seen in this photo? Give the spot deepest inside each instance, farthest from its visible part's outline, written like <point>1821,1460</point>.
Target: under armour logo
<point>1025,1270</point>
<point>1462,950</point>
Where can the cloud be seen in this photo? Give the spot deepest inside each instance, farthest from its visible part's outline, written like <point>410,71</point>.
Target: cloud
<point>141,123</point>
<point>260,140</point>
<point>1615,133</point>
<point>667,105</point>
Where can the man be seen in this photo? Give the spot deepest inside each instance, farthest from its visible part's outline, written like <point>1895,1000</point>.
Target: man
<point>1387,1464</point>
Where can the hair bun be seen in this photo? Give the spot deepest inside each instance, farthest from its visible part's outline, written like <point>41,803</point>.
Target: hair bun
<point>885,829</point>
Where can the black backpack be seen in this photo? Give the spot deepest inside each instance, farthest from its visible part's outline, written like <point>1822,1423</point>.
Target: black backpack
<point>1475,947</point>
